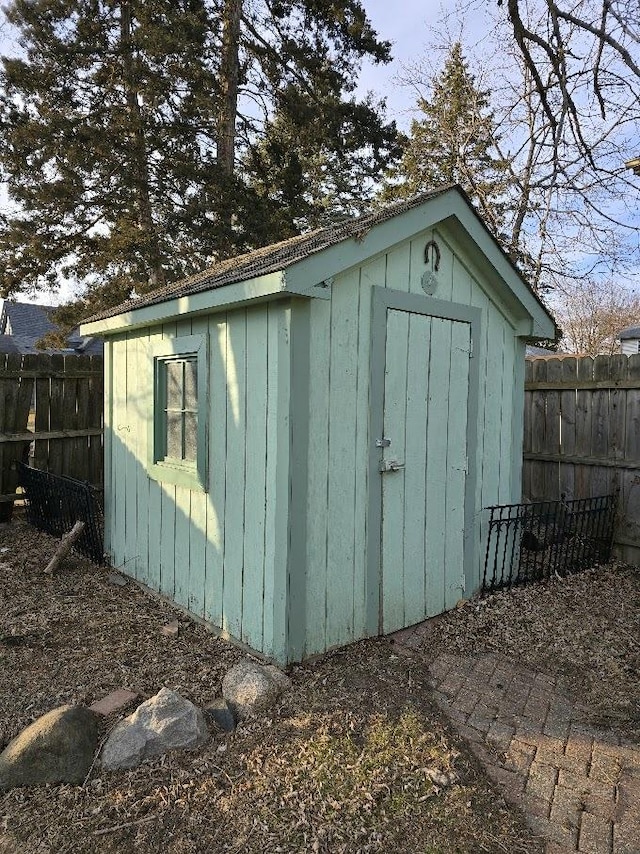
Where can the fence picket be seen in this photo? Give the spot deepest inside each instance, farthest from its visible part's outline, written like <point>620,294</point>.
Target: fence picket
<point>538,431</point>
<point>592,415</point>
<point>553,432</point>
<point>568,376</point>
<point>57,419</point>
<point>45,394</point>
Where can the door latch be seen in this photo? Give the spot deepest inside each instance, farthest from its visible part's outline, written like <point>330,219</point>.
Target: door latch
<point>383,443</point>
<point>391,465</point>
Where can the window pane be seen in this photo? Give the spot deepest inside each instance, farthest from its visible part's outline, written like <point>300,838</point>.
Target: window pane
<point>174,384</point>
<point>174,435</point>
<point>190,436</point>
<point>191,384</point>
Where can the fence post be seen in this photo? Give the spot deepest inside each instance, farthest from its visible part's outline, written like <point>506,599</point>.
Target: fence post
<point>15,402</point>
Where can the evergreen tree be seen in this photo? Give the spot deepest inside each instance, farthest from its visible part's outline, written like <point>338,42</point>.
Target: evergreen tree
<point>314,180</point>
<point>454,143</point>
<point>143,139</point>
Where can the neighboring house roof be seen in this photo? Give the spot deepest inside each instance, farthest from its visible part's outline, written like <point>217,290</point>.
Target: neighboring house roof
<point>17,344</point>
<point>84,346</point>
<point>29,320</point>
<point>535,352</point>
<point>278,257</point>
<point>23,324</point>
<point>629,332</point>
<point>634,164</point>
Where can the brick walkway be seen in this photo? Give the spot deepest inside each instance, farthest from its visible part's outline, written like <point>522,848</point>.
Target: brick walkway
<point>578,786</point>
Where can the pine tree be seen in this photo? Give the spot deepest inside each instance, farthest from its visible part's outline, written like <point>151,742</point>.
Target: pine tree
<point>454,143</point>
<point>139,138</point>
<point>98,142</point>
<point>314,180</point>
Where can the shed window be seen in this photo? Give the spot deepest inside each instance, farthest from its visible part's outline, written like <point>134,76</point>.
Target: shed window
<point>177,435</point>
<point>179,382</point>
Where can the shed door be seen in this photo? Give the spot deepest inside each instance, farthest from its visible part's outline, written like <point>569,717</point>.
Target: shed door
<point>424,466</point>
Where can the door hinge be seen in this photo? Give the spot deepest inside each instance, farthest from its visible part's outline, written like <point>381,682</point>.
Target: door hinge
<point>383,443</point>
<point>471,349</point>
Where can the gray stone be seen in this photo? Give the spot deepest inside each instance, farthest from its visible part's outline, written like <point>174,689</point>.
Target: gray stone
<point>171,630</point>
<point>165,722</point>
<point>220,714</point>
<point>281,679</point>
<point>57,748</point>
<point>250,688</point>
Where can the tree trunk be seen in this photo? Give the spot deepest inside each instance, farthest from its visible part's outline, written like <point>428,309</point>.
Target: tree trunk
<point>229,82</point>
<point>140,162</point>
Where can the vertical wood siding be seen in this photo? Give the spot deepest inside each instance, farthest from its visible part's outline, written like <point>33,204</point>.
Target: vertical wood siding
<point>225,554</point>
<point>218,553</point>
<point>338,424</point>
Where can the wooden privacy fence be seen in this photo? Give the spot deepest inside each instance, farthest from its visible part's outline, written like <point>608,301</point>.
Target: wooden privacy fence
<point>582,435</point>
<point>50,410</point>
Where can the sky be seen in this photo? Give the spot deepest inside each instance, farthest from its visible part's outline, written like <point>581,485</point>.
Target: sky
<point>415,30</point>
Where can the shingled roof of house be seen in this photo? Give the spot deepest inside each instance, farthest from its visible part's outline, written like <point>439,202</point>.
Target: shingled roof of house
<point>26,320</point>
<point>629,332</point>
<point>23,324</point>
<point>17,344</point>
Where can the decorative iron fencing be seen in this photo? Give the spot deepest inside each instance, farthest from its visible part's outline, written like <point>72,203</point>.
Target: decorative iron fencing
<point>54,503</point>
<point>531,542</point>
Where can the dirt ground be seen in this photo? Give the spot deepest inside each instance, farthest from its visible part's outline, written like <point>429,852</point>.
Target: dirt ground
<point>345,763</point>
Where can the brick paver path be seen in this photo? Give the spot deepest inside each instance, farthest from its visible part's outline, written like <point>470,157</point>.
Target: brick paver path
<point>578,786</point>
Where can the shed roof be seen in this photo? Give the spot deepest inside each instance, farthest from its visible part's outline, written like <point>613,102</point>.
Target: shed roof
<point>279,256</point>
<point>268,259</point>
<point>304,265</point>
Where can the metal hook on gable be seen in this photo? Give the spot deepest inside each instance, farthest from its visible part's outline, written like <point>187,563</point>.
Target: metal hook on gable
<point>436,252</point>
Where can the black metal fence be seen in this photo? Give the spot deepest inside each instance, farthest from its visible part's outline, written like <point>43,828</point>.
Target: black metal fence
<point>54,503</point>
<point>531,542</point>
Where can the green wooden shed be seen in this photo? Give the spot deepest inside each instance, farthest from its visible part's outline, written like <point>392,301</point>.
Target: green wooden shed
<point>300,441</point>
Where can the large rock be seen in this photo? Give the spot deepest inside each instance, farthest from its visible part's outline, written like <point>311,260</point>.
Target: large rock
<point>165,722</point>
<point>220,714</point>
<point>57,748</point>
<point>250,688</point>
